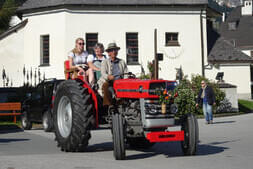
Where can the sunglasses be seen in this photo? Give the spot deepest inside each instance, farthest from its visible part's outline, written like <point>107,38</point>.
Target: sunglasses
<point>80,43</point>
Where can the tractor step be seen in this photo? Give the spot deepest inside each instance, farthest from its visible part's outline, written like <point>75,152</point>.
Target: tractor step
<point>165,136</point>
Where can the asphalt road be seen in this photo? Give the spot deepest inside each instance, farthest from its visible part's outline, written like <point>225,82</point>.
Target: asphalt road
<point>226,144</point>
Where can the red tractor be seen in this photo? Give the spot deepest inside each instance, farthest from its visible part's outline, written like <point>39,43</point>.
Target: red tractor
<point>135,118</point>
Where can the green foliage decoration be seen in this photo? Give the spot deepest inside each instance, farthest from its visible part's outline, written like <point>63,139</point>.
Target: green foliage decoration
<point>186,98</point>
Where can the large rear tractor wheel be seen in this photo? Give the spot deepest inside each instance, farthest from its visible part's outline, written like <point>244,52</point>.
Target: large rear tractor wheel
<point>118,133</point>
<point>191,134</point>
<point>139,143</point>
<point>73,116</point>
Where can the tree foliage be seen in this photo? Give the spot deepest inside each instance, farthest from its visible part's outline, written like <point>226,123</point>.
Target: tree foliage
<point>7,10</point>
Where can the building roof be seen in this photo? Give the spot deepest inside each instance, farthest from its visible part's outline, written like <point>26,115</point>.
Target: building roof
<point>243,35</point>
<point>224,51</point>
<point>13,29</point>
<point>38,4</point>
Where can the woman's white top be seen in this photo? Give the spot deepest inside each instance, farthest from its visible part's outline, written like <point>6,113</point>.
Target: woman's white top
<point>79,59</point>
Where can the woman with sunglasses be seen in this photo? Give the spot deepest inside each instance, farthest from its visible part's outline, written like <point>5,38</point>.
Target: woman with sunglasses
<point>78,58</point>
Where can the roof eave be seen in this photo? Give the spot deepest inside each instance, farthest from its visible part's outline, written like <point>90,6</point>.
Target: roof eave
<point>21,10</point>
<point>229,61</point>
<point>13,29</point>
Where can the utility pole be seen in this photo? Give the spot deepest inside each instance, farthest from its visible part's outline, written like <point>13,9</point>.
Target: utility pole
<point>155,53</point>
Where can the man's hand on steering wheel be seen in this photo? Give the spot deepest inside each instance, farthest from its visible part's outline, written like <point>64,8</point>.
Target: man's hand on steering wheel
<point>130,75</point>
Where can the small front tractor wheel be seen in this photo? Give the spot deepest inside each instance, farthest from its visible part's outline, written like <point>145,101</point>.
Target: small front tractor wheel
<point>118,133</point>
<point>47,121</point>
<point>191,134</point>
<point>73,116</point>
<point>26,124</point>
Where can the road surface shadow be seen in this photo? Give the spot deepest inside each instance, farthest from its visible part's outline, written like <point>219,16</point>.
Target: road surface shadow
<point>173,149</point>
<point>107,146</point>
<point>168,149</point>
<point>221,122</point>
<point>8,140</point>
<point>12,128</point>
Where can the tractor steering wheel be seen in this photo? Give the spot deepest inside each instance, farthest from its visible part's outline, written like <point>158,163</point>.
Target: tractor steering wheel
<point>129,74</point>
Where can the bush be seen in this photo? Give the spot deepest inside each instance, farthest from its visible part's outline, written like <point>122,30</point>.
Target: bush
<point>225,106</point>
<point>188,93</point>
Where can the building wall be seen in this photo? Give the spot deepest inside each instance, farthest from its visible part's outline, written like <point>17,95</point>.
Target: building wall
<point>65,26</point>
<point>52,24</point>
<point>112,27</point>
<point>12,56</point>
<point>235,75</point>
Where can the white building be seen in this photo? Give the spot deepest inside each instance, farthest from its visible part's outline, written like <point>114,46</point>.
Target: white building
<point>236,36</point>
<point>49,29</point>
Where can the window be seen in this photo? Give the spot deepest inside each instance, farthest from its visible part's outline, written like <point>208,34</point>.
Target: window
<point>171,39</point>
<point>132,49</point>
<point>44,54</point>
<point>91,40</point>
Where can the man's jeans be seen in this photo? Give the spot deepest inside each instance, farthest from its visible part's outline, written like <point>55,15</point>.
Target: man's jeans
<point>207,109</point>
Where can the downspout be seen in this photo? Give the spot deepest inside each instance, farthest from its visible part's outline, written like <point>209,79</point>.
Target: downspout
<point>156,74</point>
<point>202,44</point>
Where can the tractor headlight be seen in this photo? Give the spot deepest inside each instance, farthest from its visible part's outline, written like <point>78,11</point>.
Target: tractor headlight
<point>173,108</point>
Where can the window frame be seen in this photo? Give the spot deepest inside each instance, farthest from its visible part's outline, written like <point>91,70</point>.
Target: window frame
<point>89,48</point>
<point>43,49</point>
<point>171,42</point>
<point>136,47</point>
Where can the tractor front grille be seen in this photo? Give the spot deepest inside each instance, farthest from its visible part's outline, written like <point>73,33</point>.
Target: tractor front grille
<point>153,116</point>
<point>153,107</point>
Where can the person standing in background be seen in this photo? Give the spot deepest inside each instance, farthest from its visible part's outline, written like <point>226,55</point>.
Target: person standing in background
<point>206,97</point>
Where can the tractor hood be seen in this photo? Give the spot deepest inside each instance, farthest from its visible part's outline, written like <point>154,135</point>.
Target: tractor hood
<point>137,88</point>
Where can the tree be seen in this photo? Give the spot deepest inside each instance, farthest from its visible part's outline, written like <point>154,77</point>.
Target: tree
<point>7,10</point>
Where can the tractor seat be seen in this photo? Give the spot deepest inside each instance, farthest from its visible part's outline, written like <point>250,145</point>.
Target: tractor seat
<point>69,72</point>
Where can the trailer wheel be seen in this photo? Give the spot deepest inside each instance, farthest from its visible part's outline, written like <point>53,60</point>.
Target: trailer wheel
<point>139,143</point>
<point>26,124</point>
<point>73,116</point>
<point>118,133</point>
<point>190,128</point>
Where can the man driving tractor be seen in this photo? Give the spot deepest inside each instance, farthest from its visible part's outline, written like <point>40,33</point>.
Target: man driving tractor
<point>111,69</point>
